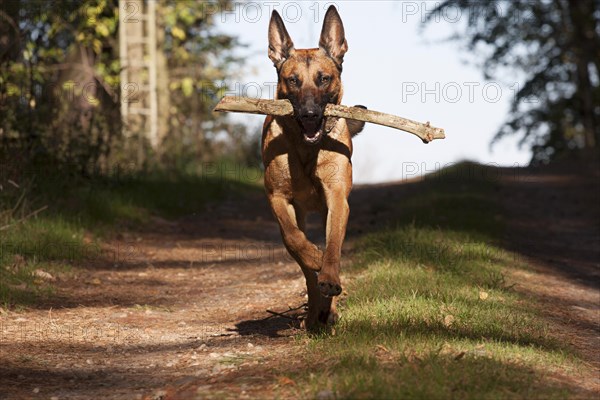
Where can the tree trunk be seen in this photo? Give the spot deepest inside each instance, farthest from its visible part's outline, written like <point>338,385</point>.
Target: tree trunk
<point>9,30</point>
<point>162,71</point>
<point>584,38</point>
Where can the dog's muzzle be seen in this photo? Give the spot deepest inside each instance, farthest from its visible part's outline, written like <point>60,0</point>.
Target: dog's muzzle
<point>312,124</point>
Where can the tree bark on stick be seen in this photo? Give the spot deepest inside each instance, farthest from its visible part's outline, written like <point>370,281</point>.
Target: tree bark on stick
<point>283,108</point>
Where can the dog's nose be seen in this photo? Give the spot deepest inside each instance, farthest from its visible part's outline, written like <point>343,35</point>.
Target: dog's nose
<point>309,115</point>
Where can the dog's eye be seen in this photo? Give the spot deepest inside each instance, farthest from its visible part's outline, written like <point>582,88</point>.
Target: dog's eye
<point>325,79</point>
<point>293,81</point>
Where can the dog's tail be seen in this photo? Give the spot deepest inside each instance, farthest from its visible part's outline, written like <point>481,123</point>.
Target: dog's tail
<point>355,127</point>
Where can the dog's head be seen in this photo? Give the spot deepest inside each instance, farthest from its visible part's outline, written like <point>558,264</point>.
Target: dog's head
<point>309,78</point>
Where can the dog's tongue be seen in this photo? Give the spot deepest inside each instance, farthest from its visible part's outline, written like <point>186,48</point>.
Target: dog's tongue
<point>311,134</point>
<point>310,129</point>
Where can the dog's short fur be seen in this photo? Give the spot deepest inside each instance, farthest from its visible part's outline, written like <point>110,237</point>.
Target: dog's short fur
<point>307,158</point>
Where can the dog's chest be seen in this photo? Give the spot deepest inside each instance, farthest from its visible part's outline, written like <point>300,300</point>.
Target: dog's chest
<point>300,173</point>
<point>297,179</point>
<point>307,189</point>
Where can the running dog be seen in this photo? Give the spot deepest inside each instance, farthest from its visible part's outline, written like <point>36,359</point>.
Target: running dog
<point>307,158</point>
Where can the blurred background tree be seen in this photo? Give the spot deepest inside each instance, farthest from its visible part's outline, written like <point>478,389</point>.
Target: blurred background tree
<point>194,62</point>
<point>555,44</point>
<point>60,85</point>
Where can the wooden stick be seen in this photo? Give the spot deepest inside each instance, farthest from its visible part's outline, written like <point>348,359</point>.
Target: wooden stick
<point>426,132</point>
<point>283,108</point>
<point>280,108</point>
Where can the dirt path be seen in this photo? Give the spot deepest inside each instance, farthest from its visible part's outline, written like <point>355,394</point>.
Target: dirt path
<point>180,310</point>
<point>554,224</point>
<point>181,305</point>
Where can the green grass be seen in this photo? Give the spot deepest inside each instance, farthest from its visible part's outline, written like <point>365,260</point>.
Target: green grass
<point>134,198</point>
<point>430,314</point>
<point>82,211</point>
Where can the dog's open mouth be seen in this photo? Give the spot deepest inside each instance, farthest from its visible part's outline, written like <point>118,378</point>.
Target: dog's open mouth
<point>312,131</point>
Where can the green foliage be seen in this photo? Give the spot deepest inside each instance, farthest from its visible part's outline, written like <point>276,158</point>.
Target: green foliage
<point>199,59</point>
<point>60,83</point>
<point>556,45</point>
<point>61,138</point>
<point>55,85</point>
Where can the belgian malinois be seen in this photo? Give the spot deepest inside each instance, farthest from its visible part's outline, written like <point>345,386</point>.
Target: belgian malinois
<point>307,158</point>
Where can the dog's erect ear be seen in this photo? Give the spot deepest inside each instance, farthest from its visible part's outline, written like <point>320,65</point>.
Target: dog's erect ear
<point>280,43</point>
<point>333,40</point>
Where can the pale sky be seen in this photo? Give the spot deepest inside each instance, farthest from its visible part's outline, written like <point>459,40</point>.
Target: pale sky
<point>390,67</point>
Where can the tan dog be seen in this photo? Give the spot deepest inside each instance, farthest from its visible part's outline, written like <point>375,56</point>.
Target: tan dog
<point>307,158</point>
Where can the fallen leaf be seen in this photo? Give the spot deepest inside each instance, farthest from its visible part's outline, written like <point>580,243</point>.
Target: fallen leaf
<point>38,273</point>
<point>382,347</point>
<point>483,295</point>
<point>284,380</point>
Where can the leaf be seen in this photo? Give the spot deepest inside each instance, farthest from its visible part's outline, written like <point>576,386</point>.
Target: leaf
<point>93,100</point>
<point>187,17</point>
<point>483,295</point>
<point>102,30</point>
<point>13,90</point>
<point>187,86</point>
<point>284,380</point>
<point>382,348</point>
<point>97,45</point>
<point>94,281</point>
<point>178,33</point>
<point>170,19</point>
<point>43,275</point>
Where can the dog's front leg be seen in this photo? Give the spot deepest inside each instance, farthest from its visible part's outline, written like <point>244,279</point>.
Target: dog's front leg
<point>304,252</point>
<point>336,197</point>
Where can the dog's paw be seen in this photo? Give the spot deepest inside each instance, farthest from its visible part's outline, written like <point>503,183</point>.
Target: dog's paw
<point>333,317</point>
<point>330,289</point>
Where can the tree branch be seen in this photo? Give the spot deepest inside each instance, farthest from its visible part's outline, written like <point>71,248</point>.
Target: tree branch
<point>283,108</point>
